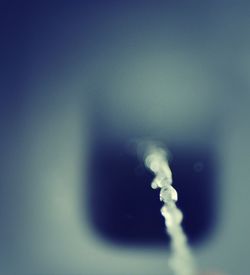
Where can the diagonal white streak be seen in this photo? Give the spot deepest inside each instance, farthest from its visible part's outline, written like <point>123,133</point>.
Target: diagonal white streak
<point>181,260</point>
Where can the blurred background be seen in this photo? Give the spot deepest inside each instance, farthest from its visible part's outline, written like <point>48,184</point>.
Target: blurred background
<point>79,82</point>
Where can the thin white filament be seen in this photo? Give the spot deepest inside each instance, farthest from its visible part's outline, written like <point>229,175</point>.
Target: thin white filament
<point>181,260</point>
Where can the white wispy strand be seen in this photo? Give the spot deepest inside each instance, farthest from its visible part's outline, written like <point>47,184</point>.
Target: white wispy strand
<point>181,260</point>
